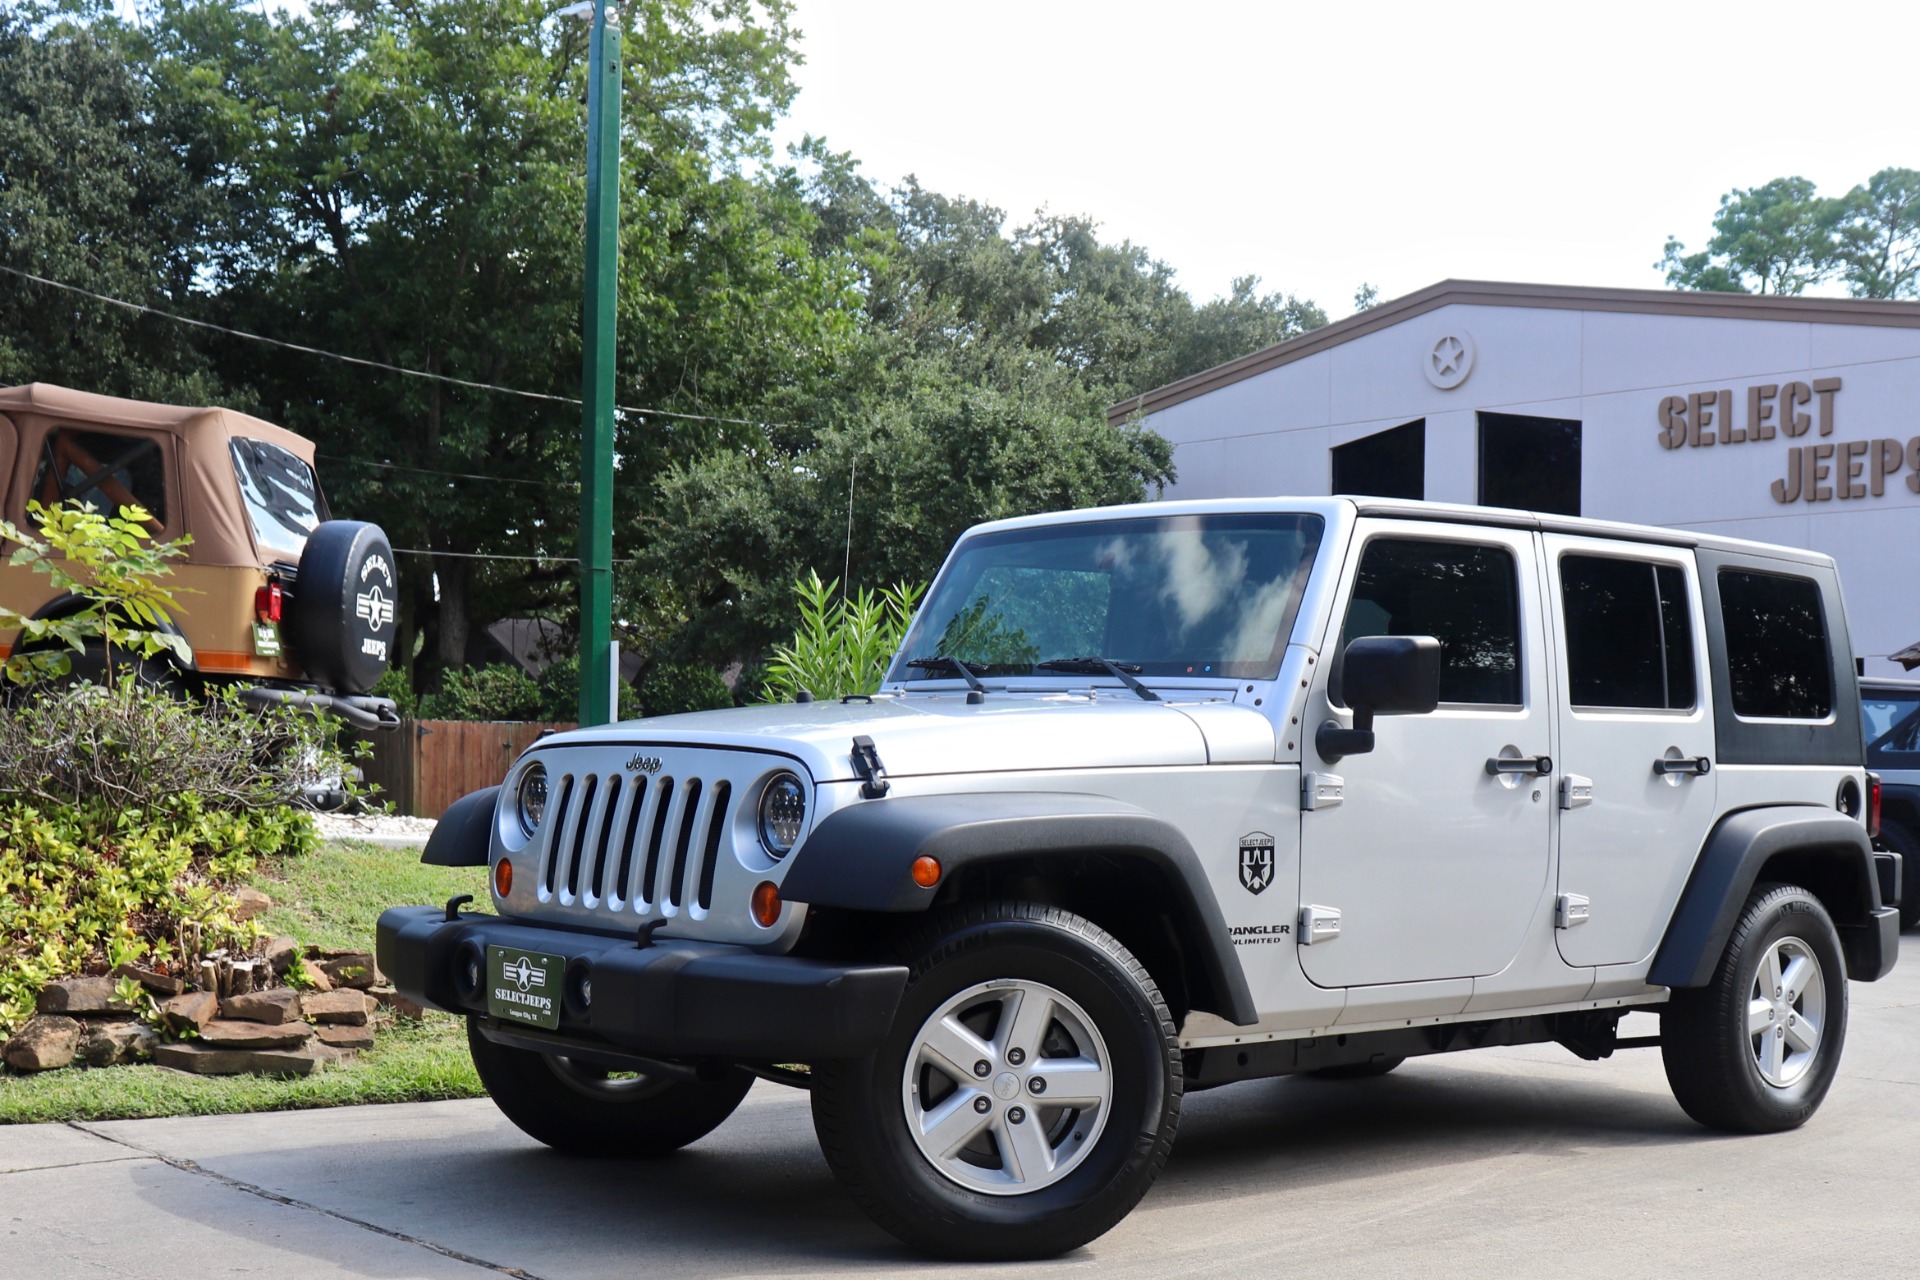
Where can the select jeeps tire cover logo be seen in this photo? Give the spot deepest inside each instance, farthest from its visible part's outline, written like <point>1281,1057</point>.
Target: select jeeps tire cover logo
<point>373,603</point>
<point>1256,861</point>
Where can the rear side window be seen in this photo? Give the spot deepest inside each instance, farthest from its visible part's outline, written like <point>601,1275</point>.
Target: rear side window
<point>1892,720</point>
<point>281,493</point>
<point>1629,633</point>
<point>103,470</point>
<point>1778,666</point>
<point>1465,596</point>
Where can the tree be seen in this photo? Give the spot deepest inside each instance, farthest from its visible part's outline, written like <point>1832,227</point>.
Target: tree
<point>1878,230</point>
<point>105,186</point>
<point>1777,238</point>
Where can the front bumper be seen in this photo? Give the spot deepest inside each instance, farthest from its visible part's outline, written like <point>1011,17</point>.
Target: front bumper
<point>674,999</point>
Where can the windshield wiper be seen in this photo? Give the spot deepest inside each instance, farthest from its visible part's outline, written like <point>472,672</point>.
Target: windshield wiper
<point>958,666</point>
<point>1122,671</point>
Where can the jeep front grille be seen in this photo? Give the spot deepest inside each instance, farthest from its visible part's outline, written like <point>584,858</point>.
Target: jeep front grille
<point>632,844</point>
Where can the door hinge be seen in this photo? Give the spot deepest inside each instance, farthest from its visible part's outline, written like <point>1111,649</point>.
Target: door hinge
<point>1322,790</point>
<point>1570,910</point>
<point>1319,924</point>
<point>1576,792</point>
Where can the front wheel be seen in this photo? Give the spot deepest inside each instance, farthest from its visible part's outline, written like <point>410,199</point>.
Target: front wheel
<point>1025,1099</point>
<point>1755,1050</point>
<point>588,1111</point>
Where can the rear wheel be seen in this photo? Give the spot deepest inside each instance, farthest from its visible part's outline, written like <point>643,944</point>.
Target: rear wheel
<point>586,1110</point>
<point>1755,1050</point>
<point>1026,1097</point>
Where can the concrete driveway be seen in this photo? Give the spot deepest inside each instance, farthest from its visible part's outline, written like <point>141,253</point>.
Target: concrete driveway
<point>1509,1162</point>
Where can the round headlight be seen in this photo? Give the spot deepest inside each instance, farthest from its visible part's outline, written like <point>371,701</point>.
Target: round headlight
<point>530,800</point>
<point>783,813</point>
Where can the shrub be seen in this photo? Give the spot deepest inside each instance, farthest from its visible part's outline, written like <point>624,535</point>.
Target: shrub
<point>498,691</point>
<point>842,645</point>
<point>560,693</point>
<point>670,688</point>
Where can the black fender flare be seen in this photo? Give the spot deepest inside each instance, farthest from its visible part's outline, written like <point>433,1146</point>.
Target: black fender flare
<point>861,857</point>
<point>1830,845</point>
<point>464,835</point>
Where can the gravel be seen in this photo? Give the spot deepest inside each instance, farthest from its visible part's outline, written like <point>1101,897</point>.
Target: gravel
<point>379,828</point>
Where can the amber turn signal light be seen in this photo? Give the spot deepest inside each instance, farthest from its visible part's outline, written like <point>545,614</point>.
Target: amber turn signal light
<point>502,878</point>
<point>766,904</point>
<point>926,871</point>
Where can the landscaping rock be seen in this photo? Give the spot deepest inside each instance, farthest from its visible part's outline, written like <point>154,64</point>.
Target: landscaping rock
<point>81,995</point>
<point>193,1010</point>
<point>248,903</point>
<point>281,1004</point>
<point>281,952</point>
<point>352,969</point>
<point>224,1034</point>
<point>339,1007</point>
<point>161,984</point>
<point>204,1060</point>
<point>392,1000</point>
<point>316,977</point>
<point>45,1043</point>
<point>112,1044</point>
<point>344,1037</point>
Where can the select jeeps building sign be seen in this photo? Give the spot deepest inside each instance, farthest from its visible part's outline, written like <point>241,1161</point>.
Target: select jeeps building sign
<point>1818,471</point>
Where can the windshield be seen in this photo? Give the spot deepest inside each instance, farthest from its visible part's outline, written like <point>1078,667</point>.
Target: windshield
<point>1205,595</point>
<point>282,496</point>
<point>1892,718</point>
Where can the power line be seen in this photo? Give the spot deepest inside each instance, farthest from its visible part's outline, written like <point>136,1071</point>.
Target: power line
<point>374,364</point>
<point>429,471</point>
<point>481,555</point>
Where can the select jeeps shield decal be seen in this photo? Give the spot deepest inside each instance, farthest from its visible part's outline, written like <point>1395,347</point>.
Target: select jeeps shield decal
<point>1256,861</point>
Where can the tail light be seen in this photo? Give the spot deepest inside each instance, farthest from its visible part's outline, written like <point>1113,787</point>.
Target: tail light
<point>1873,804</point>
<point>267,602</point>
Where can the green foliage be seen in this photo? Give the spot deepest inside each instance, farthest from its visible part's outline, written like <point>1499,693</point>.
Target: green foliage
<point>110,562</point>
<point>393,683</point>
<point>93,884</point>
<point>560,693</point>
<point>1783,237</point>
<point>670,688</point>
<point>843,644</point>
<point>499,691</point>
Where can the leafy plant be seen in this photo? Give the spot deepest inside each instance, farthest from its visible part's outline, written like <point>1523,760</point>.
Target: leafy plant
<point>671,688</point>
<point>560,693</point>
<point>113,565</point>
<point>498,691</point>
<point>843,643</point>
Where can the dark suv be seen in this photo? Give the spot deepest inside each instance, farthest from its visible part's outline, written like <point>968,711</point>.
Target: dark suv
<point>1891,712</point>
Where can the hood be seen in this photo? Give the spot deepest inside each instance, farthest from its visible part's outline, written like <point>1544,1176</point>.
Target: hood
<point>941,734</point>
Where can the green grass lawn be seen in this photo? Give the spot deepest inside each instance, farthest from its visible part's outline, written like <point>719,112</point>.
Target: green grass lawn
<point>328,898</point>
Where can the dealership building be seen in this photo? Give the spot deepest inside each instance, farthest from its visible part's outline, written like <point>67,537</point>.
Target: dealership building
<point>1788,420</point>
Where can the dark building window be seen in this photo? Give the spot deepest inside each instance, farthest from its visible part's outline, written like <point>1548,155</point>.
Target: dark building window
<point>1777,662</point>
<point>1465,596</point>
<point>1629,636</point>
<point>1530,463</point>
<point>1386,464</point>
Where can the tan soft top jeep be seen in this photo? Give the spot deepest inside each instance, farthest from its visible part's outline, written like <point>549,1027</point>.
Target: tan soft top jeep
<point>264,559</point>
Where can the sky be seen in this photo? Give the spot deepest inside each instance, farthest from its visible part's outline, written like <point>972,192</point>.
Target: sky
<point>1321,146</point>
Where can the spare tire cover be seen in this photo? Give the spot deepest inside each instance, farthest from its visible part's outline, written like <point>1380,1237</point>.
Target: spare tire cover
<point>342,622</point>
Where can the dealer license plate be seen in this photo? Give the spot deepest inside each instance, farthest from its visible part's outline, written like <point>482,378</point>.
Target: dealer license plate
<point>524,986</point>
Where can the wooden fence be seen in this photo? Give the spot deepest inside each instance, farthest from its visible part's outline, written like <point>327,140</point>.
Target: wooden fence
<point>425,765</point>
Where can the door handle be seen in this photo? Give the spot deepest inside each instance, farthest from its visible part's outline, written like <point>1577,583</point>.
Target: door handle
<point>1533,766</point>
<point>1697,766</point>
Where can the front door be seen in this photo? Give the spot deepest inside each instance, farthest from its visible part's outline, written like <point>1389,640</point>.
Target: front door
<point>1634,733</point>
<point>1436,862</point>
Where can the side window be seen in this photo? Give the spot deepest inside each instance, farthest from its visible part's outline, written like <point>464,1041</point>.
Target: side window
<point>1777,659</point>
<point>1467,597</point>
<point>1629,633</point>
<point>1893,729</point>
<point>102,469</point>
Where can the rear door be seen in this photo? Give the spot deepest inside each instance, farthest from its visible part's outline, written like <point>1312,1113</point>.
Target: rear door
<point>1635,732</point>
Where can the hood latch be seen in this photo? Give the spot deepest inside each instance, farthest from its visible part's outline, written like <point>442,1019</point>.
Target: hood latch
<point>866,763</point>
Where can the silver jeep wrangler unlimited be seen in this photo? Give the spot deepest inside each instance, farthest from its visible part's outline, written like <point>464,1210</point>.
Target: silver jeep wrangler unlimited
<point>1164,797</point>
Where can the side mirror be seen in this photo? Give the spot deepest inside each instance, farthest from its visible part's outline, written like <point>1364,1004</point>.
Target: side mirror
<point>1386,676</point>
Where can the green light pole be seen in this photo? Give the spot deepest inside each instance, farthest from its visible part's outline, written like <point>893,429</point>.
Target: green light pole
<point>596,375</point>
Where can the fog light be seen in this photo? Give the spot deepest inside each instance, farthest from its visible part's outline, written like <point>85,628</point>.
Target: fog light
<point>766,904</point>
<point>586,992</point>
<point>926,871</point>
<point>503,878</point>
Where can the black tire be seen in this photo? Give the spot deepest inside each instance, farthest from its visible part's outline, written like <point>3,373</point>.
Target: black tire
<point>861,1106</point>
<point>1901,840</point>
<point>341,623</point>
<point>1357,1070</point>
<point>581,1112</point>
<point>1712,1061</point>
<point>156,673</point>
